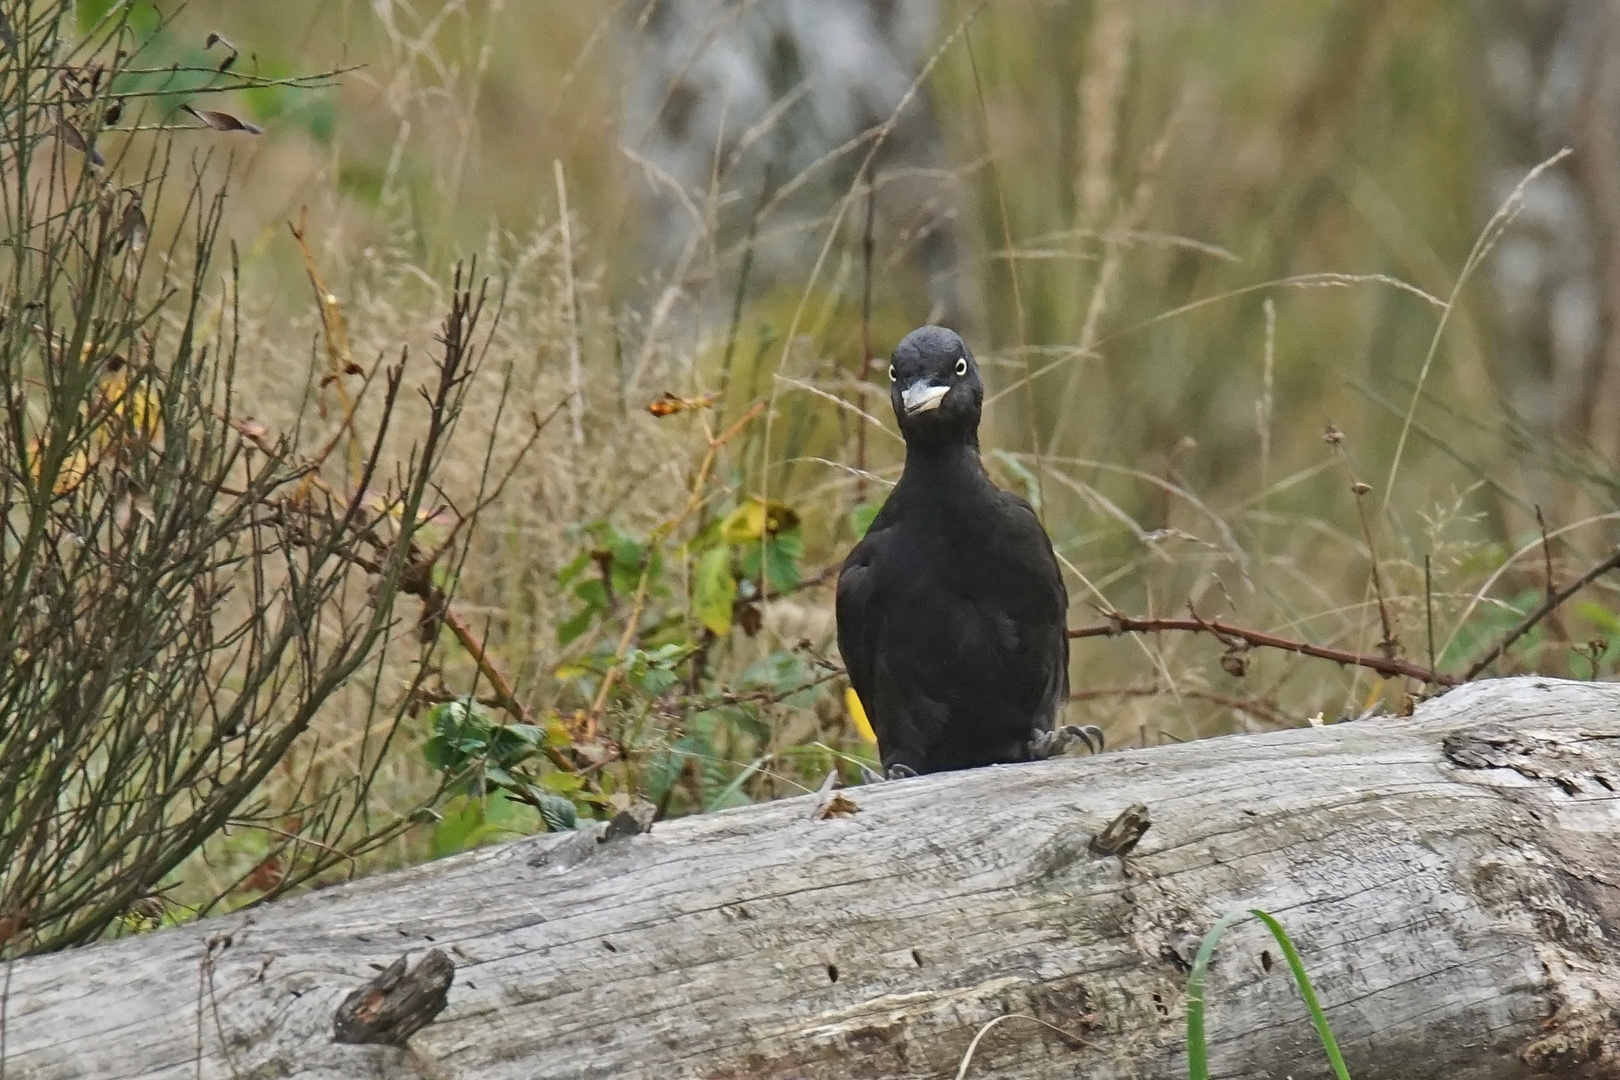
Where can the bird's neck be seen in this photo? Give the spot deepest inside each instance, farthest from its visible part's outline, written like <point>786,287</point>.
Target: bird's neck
<point>952,468</point>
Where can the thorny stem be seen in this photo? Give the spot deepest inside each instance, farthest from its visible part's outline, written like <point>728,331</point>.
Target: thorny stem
<point>1124,624</point>
<point>1547,606</point>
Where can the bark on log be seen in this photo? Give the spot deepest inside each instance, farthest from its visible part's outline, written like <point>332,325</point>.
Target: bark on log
<point>1452,881</point>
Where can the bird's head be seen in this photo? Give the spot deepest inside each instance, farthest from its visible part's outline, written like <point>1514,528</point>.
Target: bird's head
<point>935,388</point>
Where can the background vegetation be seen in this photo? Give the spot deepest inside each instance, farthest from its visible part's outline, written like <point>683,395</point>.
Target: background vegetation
<point>1206,236</point>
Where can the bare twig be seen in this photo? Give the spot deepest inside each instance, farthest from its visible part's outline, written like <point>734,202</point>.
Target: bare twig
<point>1546,553</point>
<point>1388,645</point>
<point>864,373</point>
<point>1428,608</point>
<point>740,297</point>
<point>338,358</point>
<point>576,397</point>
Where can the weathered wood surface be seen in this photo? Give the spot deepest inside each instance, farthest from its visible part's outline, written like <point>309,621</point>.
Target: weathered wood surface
<point>1453,882</point>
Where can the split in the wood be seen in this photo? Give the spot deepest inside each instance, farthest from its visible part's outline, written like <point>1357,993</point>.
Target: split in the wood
<point>396,1004</point>
<point>1123,833</point>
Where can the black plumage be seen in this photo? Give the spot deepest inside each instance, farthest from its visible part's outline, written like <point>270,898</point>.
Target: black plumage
<point>952,608</point>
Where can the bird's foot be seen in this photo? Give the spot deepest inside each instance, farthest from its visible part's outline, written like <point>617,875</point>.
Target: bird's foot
<point>896,771</point>
<point>1048,744</point>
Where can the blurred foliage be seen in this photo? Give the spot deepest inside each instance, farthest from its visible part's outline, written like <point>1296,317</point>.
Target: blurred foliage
<point>675,712</point>
<point>1203,233</point>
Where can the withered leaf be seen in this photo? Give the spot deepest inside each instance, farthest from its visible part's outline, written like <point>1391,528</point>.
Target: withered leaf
<point>266,876</point>
<point>13,922</point>
<point>115,111</point>
<point>352,368</point>
<point>70,135</point>
<point>839,805</point>
<point>132,226</point>
<point>223,121</point>
<point>668,404</point>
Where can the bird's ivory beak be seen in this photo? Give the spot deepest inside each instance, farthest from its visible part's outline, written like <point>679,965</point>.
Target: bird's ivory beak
<point>920,397</point>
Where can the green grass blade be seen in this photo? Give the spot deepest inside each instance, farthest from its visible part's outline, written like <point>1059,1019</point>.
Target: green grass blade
<point>1304,983</point>
<point>720,800</point>
<point>1197,1050</point>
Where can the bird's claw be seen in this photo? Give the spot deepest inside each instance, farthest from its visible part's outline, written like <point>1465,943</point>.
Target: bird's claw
<point>1048,744</point>
<point>896,771</point>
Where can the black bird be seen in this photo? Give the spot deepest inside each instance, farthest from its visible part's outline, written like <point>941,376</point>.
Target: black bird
<point>951,610</point>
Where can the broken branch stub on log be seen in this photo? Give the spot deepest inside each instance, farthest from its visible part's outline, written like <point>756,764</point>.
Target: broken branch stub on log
<point>1452,882</point>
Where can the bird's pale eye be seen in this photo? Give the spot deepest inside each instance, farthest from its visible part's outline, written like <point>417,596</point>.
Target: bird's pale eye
<point>891,373</point>
<point>961,366</point>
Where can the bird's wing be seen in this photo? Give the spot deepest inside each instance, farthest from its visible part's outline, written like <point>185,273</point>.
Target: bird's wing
<point>1036,601</point>
<point>857,614</point>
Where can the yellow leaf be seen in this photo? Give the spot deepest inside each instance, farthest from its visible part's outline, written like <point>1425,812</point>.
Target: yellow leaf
<point>755,517</point>
<point>852,702</point>
<point>714,590</point>
<point>75,467</point>
<point>557,732</point>
<point>745,523</point>
<point>140,408</point>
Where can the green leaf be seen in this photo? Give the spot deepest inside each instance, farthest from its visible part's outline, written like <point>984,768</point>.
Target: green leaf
<point>561,783</point>
<point>656,680</point>
<point>714,590</point>
<point>670,653</point>
<point>860,518</point>
<point>439,754</point>
<point>458,828</point>
<point>627,553</point>
<point>557,811</point>
<point>460,718</point>
<point>782,554</point>
<point>571,628</point>
<point>592,593</point>
<point>568,573</point>
<point>664,765</point>
<point>514,743</point>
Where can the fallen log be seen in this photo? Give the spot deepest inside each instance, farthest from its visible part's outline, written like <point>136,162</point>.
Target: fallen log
<point>1452,882</point>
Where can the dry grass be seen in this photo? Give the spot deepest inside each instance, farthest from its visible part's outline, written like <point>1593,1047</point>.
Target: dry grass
<point>1204,236</point>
